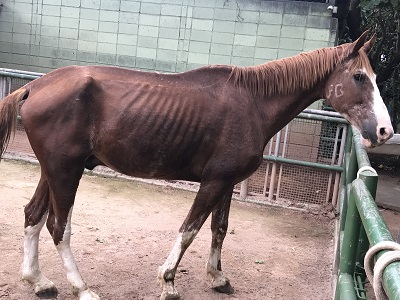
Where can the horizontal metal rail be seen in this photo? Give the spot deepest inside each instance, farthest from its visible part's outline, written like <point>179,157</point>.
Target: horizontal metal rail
<point>20,75</point>
<point>303,163</point>
<point>318,117</point>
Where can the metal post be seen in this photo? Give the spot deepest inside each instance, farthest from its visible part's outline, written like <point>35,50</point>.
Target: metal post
<point>267,170</point>
<point>339,162</point>
<point>244,189</point>
<point>3,84</point>
<point>333,159</point>
<point>377,231</point>
<point>371,182</point>
<point>350,238</point>
<point>283,156</point>
<point>351,174</point>
<point>346,288</point>
<point>273,171</point>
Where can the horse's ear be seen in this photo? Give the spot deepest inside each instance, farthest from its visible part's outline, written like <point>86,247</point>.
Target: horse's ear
<point>368,45</point>
<point>359,43</point>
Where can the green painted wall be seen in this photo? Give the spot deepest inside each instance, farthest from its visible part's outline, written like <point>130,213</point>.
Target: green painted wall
<point>162,35</point>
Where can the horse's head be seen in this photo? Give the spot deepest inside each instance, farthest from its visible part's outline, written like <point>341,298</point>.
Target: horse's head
<point>352,91</point>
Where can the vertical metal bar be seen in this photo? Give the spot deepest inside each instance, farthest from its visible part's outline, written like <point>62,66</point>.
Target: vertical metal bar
<point>339,162</point>
<point>353,166</point>
<point>371,182</point>
<point>268,164</point>
<point>273,171</point>
<point>351,174</point>
<point>9,81</point>
<point>346,288</point>
<point>333,159</point>
<point>244,185</point>
<point>283,155</point>
<point>3,83</point>
<point>350,237</point>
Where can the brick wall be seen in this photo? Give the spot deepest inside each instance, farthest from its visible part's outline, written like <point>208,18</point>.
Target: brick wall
<point>162,35</point>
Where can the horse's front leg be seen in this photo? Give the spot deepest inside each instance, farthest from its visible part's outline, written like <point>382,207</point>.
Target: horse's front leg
<point>219,226</point>
<point>206,199</point>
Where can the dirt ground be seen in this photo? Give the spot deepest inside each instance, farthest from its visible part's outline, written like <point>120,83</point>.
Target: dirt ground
<point>123,230</point>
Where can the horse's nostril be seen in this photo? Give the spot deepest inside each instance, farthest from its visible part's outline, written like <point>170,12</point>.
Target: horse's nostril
<point>385,133</point>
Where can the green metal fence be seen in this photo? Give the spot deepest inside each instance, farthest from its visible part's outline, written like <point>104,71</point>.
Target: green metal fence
<point>361,225</point>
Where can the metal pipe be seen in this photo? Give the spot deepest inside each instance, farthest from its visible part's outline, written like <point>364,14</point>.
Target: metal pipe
<point>377,231</point>
<point>3,84</point>
<point>267,170</point>
<point>339,162</point>
<point>362,156</point>
<point>273,171</point>
<point>350,237</point>
<point>333,159</point>
<point>345,289</point>
<point>323,112</point>
<point>302,163</point>
<point>244,188</point>
<point>371,182</point>
<point>21,72</point>
<point>283,155</point>
<point>304,115</point>
<point>18,75</point>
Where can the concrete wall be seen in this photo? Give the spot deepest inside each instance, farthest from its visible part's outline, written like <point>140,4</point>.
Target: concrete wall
<point>163,35</point>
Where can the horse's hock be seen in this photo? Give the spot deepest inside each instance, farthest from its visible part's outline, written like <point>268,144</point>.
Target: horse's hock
<point>301,167</point>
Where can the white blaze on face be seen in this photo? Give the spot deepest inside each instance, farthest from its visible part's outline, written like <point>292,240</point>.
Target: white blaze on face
<point>380,109</point>
<point>384,129</point>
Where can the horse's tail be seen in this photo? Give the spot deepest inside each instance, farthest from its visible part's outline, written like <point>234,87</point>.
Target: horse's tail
<point>9,108</point>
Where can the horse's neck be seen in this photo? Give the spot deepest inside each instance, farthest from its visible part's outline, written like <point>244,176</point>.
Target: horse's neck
<point>277,111</point>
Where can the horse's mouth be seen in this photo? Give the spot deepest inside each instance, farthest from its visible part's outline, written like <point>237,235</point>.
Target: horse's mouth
<point>370,145</point>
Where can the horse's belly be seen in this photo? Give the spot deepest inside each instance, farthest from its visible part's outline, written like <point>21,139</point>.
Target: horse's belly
<point>147,159</point>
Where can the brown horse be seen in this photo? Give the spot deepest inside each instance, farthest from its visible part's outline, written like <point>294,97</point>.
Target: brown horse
<point>208,125</point>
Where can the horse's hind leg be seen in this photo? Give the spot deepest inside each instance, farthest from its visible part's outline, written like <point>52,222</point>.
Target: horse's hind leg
<point>206,199</point>
<point>219,226</point>
<point>63,182</point>
<point>35,216</point>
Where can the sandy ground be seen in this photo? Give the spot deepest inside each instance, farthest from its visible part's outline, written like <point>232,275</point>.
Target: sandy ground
<point>123,230</point>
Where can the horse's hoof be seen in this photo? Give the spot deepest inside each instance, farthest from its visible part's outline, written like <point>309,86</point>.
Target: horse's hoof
<point>224,289</point>
<point>88,295</point>
<point>48,293</point>
<point>170,296</point>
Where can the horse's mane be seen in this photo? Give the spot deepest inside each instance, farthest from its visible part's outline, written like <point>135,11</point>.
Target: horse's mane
<point>302,71</point>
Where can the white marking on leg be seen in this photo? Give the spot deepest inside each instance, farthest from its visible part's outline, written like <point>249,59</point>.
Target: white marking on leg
<point>182,242</point>
<point>212,265</point>
<point>79,287</point>
<point>30,266</point>
<point>218,278</point>
<point>166,273</point>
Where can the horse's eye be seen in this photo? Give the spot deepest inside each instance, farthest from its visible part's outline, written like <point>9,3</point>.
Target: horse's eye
<point>359,77</point>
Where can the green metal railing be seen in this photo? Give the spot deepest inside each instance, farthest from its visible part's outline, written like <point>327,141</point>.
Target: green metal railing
<point>361,225</point>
